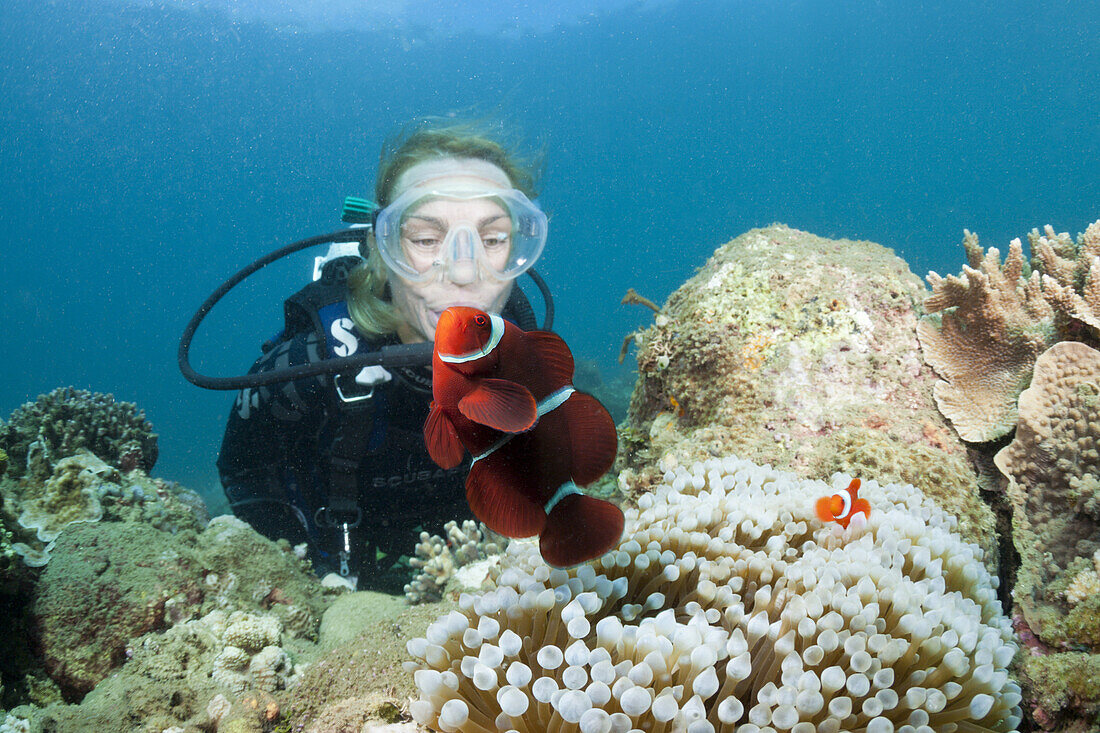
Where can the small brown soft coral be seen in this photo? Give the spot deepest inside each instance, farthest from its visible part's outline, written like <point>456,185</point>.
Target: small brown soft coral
<point>994,323</point>
<point>1051,466</point>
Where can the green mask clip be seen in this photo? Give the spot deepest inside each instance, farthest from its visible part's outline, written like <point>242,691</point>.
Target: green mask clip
<point>358,210</point>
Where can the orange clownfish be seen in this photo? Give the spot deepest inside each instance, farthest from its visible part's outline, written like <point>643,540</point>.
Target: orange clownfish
<point>506,396</point>
<point>842,506</point>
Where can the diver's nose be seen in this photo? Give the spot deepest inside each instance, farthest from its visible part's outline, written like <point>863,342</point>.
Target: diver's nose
<point>462,265</point>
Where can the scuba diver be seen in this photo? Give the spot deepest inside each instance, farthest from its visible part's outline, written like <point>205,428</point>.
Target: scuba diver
<point>337,460</point>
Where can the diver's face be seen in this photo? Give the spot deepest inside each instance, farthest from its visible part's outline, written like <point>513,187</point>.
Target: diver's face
<point>425,231</point>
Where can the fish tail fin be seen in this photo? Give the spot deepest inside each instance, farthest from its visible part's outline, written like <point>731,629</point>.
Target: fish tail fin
<point>579,528</point>
<point>592,436</point>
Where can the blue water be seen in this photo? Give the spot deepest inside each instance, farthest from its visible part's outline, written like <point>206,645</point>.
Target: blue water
<point>149,150</point>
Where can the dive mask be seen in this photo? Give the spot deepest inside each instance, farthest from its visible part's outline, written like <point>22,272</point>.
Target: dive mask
<point>462,236</point>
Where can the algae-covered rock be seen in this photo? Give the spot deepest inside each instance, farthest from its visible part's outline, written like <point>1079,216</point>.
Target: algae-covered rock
<point>106,585</point>
<point>163,624</point>
<point>799,351</point>
<point>360,679</point>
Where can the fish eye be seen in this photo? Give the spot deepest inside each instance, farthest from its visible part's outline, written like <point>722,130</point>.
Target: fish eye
<point>480,319</point>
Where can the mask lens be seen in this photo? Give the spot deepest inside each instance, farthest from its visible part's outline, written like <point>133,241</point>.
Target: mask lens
<point>460,236</point>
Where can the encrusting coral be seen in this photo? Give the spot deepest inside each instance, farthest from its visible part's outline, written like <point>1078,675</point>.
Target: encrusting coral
<point>730,606</point>
<point>993,323</point>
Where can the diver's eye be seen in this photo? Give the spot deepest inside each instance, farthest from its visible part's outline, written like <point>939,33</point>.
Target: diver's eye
<point>424,243</point>
<point>495,240</point>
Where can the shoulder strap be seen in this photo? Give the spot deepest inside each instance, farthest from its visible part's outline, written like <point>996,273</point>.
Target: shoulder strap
<point>303,310</point>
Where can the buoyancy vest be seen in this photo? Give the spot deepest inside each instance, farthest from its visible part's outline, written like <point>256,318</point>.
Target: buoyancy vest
<point>372,457</point>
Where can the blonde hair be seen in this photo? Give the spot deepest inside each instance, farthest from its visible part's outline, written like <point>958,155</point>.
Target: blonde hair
<point>368,304</point>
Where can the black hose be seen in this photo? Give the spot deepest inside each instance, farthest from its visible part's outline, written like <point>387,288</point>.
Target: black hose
<point>397,355</point>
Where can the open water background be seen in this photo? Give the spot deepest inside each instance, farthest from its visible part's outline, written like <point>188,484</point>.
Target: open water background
<point>148,150</point>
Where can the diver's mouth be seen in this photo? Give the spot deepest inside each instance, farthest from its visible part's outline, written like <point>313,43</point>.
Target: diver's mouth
<point>435,314</point>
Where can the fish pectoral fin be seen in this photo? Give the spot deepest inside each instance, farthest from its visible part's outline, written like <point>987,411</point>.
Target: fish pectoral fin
<point>442,439</point>
<point>501,405</point>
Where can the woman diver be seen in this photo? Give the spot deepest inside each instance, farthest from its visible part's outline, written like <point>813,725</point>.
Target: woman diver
<point>338,461</point>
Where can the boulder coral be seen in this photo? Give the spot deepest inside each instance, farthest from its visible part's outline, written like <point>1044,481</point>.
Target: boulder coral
<point>729,606</point>
<point>801,352</point>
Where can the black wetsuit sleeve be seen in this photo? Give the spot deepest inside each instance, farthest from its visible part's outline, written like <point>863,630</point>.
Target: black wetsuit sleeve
<point>269,438</point>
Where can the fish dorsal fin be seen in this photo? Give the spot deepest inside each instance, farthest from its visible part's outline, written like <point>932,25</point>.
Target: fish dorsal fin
<point>554,356</point>
<point>501,405</point>
<point>592,438</point>
<point>442,439</point>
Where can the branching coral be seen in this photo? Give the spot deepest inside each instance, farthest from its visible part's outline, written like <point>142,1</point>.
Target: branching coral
<point>61,423</point>
<point>438,558</point>
<point>1071,279</point>
<point>994,323</point>
<point>729,606</point>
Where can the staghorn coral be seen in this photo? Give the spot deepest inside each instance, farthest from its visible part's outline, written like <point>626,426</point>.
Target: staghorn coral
<point>728,606</point>
<point>993,324</point>
<point>67,420</point>
<point>1071,279</point>
<point>1052,467</point>
<point>438,559</point>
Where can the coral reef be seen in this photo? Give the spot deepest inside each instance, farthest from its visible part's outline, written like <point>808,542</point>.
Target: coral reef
<point>105,586</point>
<point>159,623</point>
<point>993,323</point>
<point>1071,279</point>
<point>67,420</point>
<point>84,488</point>
<point>729,603</point>
<point>1052,466</point>
<point>439,558</point>
<point>801,352</point>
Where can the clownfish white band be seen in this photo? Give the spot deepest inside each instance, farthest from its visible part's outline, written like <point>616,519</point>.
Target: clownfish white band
<point>495,335</point>
<point>846,497</point>
<point>566,489</point>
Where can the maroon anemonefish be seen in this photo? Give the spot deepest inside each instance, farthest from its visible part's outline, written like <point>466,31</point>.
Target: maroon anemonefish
<point>506,395</point>
<point>842,506</point>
